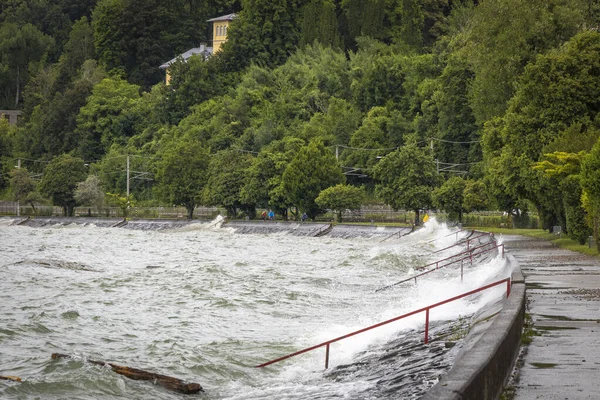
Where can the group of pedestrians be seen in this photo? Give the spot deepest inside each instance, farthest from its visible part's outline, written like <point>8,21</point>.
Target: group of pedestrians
<point>271,216</point>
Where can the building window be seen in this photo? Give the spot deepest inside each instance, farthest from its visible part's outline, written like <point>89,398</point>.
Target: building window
<point>225,30</point>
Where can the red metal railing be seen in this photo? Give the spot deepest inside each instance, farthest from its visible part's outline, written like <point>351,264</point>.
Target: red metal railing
<point>454,261</point>
<point>452,233</point>
<point>424,309</point>
<point>470,250</point>
<point>467,241</point>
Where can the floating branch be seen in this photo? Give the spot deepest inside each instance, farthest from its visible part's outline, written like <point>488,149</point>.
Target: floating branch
<point>167,382</point>
<point>10,378</point>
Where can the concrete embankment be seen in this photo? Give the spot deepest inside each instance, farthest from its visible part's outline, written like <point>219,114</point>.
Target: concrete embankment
<point>319,229</point>
<point>482,370</point>
<point>311,229</point>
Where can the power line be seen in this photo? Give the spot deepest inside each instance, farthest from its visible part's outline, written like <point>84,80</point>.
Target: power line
<point>454,142</point>
<point>366,149</point>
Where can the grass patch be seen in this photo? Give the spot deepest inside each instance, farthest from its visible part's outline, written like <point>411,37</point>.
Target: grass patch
<point>528,331</point>
<point>563,243</point>
<point>544,365</point>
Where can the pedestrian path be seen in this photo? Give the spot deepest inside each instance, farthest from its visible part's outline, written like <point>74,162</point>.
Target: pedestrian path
<point>563,293</point>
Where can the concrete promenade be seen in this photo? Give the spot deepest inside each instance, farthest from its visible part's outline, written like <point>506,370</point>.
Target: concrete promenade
<point>563,294</point>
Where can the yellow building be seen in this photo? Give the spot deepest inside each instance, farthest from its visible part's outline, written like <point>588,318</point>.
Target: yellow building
<point>220,27</point>
<point>202,51</point>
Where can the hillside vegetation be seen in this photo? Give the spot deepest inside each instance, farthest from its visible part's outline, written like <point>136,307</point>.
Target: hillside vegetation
<point>458,105</point>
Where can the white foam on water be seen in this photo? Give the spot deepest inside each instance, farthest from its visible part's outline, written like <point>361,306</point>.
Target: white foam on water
<point>221,303</point>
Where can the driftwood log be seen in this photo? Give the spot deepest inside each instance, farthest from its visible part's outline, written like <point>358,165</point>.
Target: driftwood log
<point>10,378</point>
<point>167,382</point>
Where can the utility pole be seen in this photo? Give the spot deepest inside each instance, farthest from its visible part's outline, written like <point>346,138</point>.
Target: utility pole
<point>18,203</point>
<point>128,176</point>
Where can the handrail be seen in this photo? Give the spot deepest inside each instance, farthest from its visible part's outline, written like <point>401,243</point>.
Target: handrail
<point>399,233</point>
<point>452,233</point>
<point>467,241</point>
<point>455,255</point>
<point>469,257</point>
<point>426,309</point>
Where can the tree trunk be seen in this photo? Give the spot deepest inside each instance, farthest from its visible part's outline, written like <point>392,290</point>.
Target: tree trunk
<point>417,218</point>
<point>10,378</point>
<point>595,226</point>
<point>168,382</point>
<point>18,89</point>
<point>190,210</point>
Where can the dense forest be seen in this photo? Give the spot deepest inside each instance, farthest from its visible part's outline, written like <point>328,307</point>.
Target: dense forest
<point>310,105</point>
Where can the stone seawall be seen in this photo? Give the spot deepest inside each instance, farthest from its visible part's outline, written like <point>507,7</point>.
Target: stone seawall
<point>483,370</point>
<point>318,229</point>
<point>311,229</point>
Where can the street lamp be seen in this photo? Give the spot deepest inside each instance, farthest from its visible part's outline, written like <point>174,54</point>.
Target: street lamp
<point>18,166</point>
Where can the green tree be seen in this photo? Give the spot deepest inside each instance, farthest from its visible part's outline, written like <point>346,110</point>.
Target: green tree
<point>339,198</point>
<point>590,183</point>
<point>264,179</point>
<point>406,178</point>
<point>182,174</point>
<point>562,170</point>
<point>51,128</point>
<point>90,193</point>
<point>320,23</point>
<point>24,188</point>
<point>193,82</point>
<point>449,197</point>
<point>313,169</point>
<point>448,118</point>
<point>575,215</point>
<point>506,35</point>
<point>22,49</point>
<point>103,121</point>
<point>264,33</point>
<point>7,139</point>
<point>475,196</point>
<point>125,203</point>
<point>226,179</point>
<point>135,36</point>
<point>77,50</point>
<point>60,179</point>
<point>555,106</point>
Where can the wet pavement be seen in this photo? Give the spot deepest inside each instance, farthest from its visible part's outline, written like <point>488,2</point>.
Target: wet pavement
<point>563,295</point>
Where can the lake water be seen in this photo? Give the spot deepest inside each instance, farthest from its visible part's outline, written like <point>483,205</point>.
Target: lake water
<point>204,304</point>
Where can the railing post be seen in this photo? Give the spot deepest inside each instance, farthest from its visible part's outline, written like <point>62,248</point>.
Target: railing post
<point>327,356</point>
<point>502,250</point>
<point>427,326</point>
<point>508,288</point>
